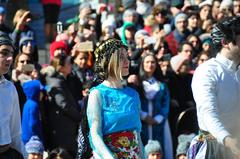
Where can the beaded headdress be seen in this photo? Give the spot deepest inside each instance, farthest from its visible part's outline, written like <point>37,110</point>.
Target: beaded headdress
<point>102,57</point>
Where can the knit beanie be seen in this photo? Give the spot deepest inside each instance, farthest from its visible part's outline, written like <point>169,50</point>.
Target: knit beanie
<point>85,5</point>
<point>226,4</point>
<point>129,12</point>
<point>34,145</point>
<point>180,16</point>
<point>177,61</point>
<point>5,39</point>
<point>57,45</point>
<point>184,141</point>
<point>128,3</point>
<point>25,38</point>
<point>139,33</point>
<point>152,146</point>
<point>205,38</point>
<point>143,8</point>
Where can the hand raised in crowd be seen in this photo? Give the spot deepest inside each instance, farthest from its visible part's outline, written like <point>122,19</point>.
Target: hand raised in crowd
<point>25,18</point>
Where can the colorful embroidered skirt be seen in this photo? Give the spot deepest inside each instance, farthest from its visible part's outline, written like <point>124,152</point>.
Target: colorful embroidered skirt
<point>124,145</point>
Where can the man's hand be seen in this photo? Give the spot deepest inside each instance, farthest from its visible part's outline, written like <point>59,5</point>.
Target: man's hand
<point>232,144</point>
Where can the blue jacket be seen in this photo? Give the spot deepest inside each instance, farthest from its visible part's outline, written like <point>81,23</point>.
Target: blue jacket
<point>160,106</point>
<point>31,123</point>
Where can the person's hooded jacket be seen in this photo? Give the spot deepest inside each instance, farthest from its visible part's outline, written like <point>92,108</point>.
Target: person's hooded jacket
<point>31,123</point>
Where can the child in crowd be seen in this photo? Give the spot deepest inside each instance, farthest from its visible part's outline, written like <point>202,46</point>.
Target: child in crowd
<point>153,150</point>
<point>34,148</point>
<point>184,141</point>
<point>59,153</point>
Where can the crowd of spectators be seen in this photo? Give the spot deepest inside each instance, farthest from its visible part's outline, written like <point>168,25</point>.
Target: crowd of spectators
<point>165,39</point>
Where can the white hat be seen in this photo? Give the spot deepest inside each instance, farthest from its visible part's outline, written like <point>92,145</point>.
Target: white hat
<point>204,3</point>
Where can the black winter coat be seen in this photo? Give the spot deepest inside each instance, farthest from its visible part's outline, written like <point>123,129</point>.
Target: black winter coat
<point>63,114</point>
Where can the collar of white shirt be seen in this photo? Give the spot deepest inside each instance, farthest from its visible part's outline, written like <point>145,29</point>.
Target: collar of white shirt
<point>2,79</point>
<point>229,64</point>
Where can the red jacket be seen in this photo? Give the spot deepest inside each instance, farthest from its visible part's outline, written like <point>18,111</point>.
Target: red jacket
<point>172,43</point>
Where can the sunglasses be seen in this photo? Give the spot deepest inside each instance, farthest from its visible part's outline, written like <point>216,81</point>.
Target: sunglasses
<point>27,61</point>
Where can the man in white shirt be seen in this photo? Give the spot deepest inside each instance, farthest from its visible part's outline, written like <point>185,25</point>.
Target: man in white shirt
<point>216,90</point>
<point>11,146</point>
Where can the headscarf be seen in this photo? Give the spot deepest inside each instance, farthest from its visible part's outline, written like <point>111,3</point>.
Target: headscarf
<point>102,57</point>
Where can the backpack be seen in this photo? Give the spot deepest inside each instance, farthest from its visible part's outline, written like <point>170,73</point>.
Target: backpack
<point>84,150</point>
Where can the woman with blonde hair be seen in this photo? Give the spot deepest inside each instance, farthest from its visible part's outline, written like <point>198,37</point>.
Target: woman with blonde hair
<point>113,110</point>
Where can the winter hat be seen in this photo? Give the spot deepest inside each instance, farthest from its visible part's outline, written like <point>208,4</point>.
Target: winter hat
<point>109,22</point>
<point>25,38</point>
<point>2,10</point>
<point>152,146</point>
<point>177,3</point>
<point>156,2</point>
<point>5,39</point>
<point>143,8</point>
<point>129,12</point>
<point>128,3</point>
<point>34,145</point>
<point>204,3</point>
<point>205,38</point>
<point>85,5</point>
<point>184,141</point>
<point>139,33</point>
<point>177,61</point>
<point>226,4</point>
<point>57,45</point>
<point>180,16</point>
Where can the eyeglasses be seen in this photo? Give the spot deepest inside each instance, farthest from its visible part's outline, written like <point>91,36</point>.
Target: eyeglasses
<point>27,61</point>
<point>6,54</point>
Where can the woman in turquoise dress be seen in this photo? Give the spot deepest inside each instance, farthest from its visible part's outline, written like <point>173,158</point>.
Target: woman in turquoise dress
<point>113,110</point>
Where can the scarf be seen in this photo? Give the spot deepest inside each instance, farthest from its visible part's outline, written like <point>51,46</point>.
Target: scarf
<point>151,87</point>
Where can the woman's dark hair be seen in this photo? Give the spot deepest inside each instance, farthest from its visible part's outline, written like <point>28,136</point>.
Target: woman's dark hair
<point>198,48</point>
<point>59,153</point>
<point>157,73</point>
<point>143,76</point>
